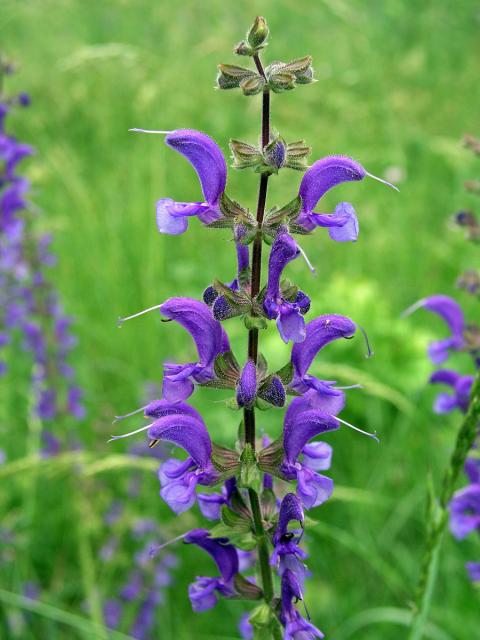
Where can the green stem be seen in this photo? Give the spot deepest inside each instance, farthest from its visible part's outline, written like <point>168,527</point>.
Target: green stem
<point>439,513</point>
<point>249,414</point>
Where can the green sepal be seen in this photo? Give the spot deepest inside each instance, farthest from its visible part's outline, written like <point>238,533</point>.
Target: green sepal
<point>286,373</point>
<point>238,503</point>
<point>262,367</point>
<point>245,541</point>
<point>235,521</point>
<point>234,297</point>
<point>225,460</point>
<point>230,76</point>
<point>232,209</point>
<point>244,277</point>
<point>250,475</point>
<point>226,368</point>
<point>255,322</point>
<point>268,501</point>
<point>270,458</point>
<point>262,405</point>
<point>288,290</point>
<point>246,589</point>
<point>265,623</point>
<point>244,155</point>
<point>288,212</point>
<point>252,85</point>
<point>301,69</point>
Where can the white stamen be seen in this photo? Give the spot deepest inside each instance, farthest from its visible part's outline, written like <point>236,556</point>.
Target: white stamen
<point>127,415</point>
<point>365,433</point>
<point>132,433</point>
<point>413,308</point>
<point>155,550</point>
<point>309,264</point>
<point>351,386</point>
<point>135,315</point>
<point>149,131</point>
<point>389,184</point>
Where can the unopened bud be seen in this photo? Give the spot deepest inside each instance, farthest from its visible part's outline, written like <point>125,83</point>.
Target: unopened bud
<point>258,33</point>
<point>274,154</point>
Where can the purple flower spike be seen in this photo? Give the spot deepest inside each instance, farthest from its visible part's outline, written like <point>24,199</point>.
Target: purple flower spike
<point>210,340</point>
<point>202,592</point>
<point>460,385</point>
<point>451,312</point>
<point>289,315</point>
<point>296,627</point>
<point>465,511</point>
<point>207,159</point>
<point>247,385</point>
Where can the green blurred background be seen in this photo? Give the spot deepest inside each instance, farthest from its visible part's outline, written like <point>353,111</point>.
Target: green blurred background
<point>398,87</point>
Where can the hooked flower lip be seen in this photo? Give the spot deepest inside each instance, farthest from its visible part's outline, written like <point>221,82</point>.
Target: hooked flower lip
<point>206,157</point>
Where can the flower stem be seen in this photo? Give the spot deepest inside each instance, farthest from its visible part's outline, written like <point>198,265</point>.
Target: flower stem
<point>439,513</point>
<point>249,414</point>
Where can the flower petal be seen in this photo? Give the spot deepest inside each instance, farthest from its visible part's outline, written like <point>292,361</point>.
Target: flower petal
<point>319,332</point>
<point>224,554</point>
<point>299,428</point>
<point>205,156</point>
<point>196,318</point>
<point>187,432</point>
<point>325,174</point>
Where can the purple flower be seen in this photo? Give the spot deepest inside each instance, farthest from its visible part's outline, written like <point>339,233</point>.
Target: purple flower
<point>211,504</point>
<point>300,425</point>
<point>245,628</point>
<point>451,312</point>
<point>472,469</point>
<point>210,340</point>
<point>247,385</point>
<point>317,180</point>
<point>203,592</point>
<point>296,627</point>
<point>207,159</point>
<point>287,554</point>
<point>180,478</point>
<point>288,314</point>
<point>465,511</point>
<point>460,385</point>
<point>320,332</point>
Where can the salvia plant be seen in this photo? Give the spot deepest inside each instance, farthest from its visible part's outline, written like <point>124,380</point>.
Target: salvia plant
<point>460,508</point>
<point>262,487</point>
<point>29,305</point>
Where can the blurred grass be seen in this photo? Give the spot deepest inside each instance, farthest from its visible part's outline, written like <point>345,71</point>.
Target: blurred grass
<point>398,86</point>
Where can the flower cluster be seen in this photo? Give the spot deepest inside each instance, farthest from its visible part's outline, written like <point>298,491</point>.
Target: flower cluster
<point>463,337</point>
<point>255,492</point>
<point>28,302</point>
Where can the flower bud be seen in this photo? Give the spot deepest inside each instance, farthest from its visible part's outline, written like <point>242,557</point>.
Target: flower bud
<point>242,49</point>
<point>258,33</point>
<point>247,385</point>
<point>274,154</point>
